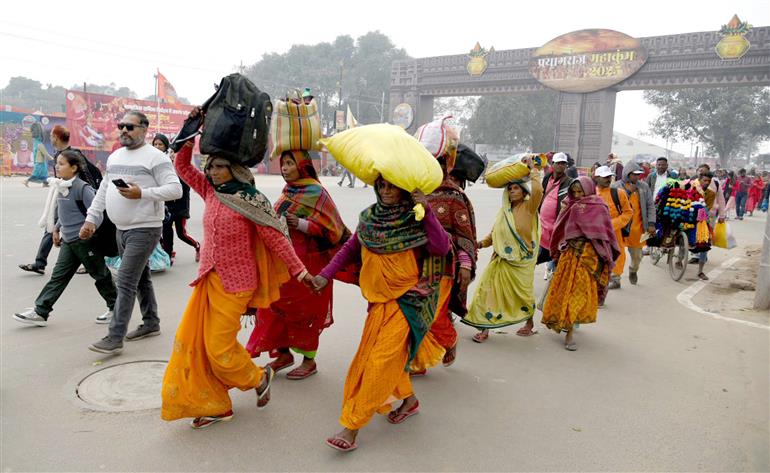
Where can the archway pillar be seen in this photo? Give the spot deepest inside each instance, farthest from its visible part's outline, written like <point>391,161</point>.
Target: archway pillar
<point>584,125</point>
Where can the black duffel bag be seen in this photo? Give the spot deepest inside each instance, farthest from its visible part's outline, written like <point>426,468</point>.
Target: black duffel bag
<point>236,122</point>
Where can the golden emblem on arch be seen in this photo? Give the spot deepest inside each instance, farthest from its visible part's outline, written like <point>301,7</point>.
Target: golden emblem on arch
<point>733,45</point>
<point>477,62</point>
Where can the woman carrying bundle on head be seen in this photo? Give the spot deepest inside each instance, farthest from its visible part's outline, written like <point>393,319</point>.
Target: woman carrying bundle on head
<point>506,293</point>
<point>245,257</point>
<point>455,212</point>
<point>585,245</point>
<point>401,266</point>
<point>317,232</point>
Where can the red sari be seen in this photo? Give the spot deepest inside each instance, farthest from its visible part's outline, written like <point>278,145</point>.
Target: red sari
<point>297,319</point>
<point>755,194</point>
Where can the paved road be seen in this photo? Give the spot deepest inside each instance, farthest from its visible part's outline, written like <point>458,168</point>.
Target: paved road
<point>654,386</point>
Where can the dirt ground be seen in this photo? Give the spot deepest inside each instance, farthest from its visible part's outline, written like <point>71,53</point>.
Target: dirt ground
<point>731,294</point>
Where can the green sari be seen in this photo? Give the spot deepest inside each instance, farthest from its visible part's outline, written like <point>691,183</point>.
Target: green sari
<point>505,294</point>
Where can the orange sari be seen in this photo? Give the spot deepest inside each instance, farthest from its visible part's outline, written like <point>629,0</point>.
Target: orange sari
<point>378,373</point>
<point>207,360</point>
<point>443,330</point>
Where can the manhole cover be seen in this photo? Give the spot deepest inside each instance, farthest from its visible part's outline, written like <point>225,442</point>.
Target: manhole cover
<point>132,386</point>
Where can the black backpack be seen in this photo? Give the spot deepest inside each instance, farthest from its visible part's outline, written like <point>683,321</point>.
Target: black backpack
<point>237,121</point>
<point>104,240</point>
<point>625,231</point>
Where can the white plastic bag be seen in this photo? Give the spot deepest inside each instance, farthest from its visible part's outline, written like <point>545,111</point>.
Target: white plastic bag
<point>434,137</point>
<point>731,243</point>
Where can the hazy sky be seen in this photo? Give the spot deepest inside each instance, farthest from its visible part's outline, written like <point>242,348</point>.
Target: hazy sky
<point>195,43</point>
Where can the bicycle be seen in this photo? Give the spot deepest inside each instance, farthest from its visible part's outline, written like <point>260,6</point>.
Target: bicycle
<point>677,255</point>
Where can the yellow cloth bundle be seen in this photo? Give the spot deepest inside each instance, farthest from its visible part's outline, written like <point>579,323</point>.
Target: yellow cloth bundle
<point>507,170</point>
<point>372,150</point>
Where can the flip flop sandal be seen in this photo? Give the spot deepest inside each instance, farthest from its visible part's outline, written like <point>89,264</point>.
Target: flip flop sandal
<point>396,417</point>
<point>344,446</point>
<point>703,277</point>
<point>206,421</point>
<point>528,333</point>
<point>264,397</point>
<point>277,367</point>
<point>418,373</point>
<point>570,346</point>
<point>301,373</point>
<point>31,268</point>
<point>480,337</point>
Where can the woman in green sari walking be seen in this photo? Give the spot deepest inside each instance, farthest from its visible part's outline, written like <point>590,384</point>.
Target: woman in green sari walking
<point>505,294</point>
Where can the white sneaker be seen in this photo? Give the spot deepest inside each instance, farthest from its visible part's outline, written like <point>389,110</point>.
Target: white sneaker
<point>30,317</point>
<point>104,318</point>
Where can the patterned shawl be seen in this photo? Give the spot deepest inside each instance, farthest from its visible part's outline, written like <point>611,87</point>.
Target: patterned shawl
<point>240,195</point>
<point>455,212</point>
<point>391,229</point>
<point>506,240</point>
<point>306,198</point>
<point>589,218</point>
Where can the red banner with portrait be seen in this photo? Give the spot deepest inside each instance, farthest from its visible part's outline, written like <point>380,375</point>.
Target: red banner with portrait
<point>92,118</point>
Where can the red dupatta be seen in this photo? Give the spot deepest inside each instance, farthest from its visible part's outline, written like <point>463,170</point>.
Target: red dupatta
<point>587,217</point>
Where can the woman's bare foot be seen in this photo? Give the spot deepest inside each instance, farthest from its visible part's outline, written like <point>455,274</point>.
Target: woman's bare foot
<point>347,435</point>
<point>408,404</point>
<point>527,330</point>
<point>304,370</point>
<point>283,361</point>
<point>481,337</point>
<point>408,408</point>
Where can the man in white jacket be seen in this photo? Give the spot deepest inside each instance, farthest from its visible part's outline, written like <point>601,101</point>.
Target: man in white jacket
<point>137,210</point>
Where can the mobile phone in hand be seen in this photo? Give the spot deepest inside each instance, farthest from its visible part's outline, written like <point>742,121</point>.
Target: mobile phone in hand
<point>120,183</point>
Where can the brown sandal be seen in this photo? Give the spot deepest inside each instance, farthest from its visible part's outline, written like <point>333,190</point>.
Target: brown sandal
<point>263,397</point>
<point>301,373</point>
<point>481,337</point>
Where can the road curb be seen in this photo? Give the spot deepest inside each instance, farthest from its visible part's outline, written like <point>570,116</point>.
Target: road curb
<point>686,297</point>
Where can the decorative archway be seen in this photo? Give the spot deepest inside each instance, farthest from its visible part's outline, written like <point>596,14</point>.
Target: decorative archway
<point>584,120</point>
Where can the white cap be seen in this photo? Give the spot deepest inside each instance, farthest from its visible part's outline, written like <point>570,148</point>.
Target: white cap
<point>559,158</point>
<point>603,171</point>
<point>638,171</point>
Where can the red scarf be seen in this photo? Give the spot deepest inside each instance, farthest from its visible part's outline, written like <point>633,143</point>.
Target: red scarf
<point>588,218</point>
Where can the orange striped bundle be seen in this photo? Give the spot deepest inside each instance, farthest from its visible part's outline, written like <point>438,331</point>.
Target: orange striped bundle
<point>295,126</point>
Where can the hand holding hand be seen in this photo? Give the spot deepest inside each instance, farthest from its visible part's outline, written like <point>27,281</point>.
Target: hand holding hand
<point>87,230</point>
<point>307,280</point>
<point>319,283</point>
<point>292,220</point>
<point>131,192</point>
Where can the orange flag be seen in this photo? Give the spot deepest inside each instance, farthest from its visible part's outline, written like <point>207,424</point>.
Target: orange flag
<point>166,91</point>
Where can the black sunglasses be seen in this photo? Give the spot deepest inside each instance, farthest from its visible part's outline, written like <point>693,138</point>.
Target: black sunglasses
<point>128,126</point>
